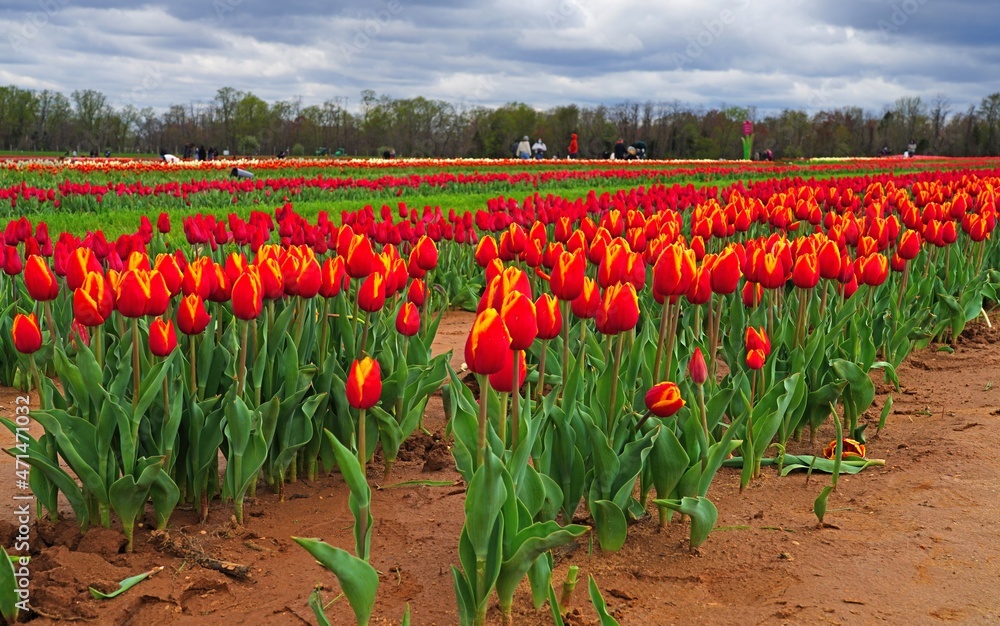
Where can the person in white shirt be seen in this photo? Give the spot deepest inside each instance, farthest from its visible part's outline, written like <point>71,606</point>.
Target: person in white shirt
<point>523,150</point>
<point>539,149</point>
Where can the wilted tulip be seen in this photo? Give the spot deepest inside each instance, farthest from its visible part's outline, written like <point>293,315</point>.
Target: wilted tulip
<point>851,448</point>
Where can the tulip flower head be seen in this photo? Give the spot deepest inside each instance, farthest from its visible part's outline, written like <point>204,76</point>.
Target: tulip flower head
<point>26,333</point>
<point>364,383</point>
<point>488,343</point>
<point>162,337</point>
<point>664,399</point>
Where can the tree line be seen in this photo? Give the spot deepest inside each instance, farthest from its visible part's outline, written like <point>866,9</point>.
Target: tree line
<point>244,124</point>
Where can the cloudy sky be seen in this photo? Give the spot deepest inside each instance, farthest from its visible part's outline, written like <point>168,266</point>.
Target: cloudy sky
<point>772,54</point>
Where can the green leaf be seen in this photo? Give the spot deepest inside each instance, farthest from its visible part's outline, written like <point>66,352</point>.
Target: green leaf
<point>316,604</point>
<point>528,545</point>
<point>819,506</point>
<point>358,579</point>
<point>599,605</point>
<point>483,502</point>
<point>612,527</point>
<point>124,585</point>
<point>350,469</point>
<point>702,512</point>
<point>8,588</point>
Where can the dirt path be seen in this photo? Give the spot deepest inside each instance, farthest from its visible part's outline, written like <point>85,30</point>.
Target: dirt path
<point>915,542</point>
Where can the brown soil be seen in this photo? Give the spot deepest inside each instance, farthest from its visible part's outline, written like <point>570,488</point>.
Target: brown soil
<point>913,542</point>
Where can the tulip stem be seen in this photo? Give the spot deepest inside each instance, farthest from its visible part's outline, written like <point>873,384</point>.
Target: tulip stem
<point>484,389</point>
<point>324,332</point>
<point>541,371</point>
<point>362,443</point>
<point>50,320</point>
<point>659,344</point>
<point>515,399</point>
<point>192,355</point>
<point>704,425</point>
<point>565,346</point>
<point>241,370</point>
<point>135,366</point>
<point>612,413</point>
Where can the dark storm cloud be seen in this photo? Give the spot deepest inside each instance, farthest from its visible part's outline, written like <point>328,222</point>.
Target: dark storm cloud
<point>771,54</point>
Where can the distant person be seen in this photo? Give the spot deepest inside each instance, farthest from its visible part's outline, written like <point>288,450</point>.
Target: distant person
<point>631,154</point>
<point>912,148</point>
<point>620,150</point>
<point>169,158</point>
<point>573,151</point>
<point>539,149</point>
<point>107,153</point>
<point>523,149</point>
<point>640,149</point>
<point>768,155</point>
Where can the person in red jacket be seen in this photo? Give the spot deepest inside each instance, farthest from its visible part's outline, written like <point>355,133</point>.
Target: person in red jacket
<point>574,148</point>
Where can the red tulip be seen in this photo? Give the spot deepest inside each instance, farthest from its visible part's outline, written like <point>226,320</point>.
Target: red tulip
<point>364,383</point>
<point>333,277</point>
<point>371,294</point>
<point>93,301</point>
<point>487,344</point>
<point>619,309</point>
<point>426,253</point>
<point>163,223</point>
<point>26,333</point>
<point>664,399</point>
<point>360,257</point>
<point>548,317</point>
<point>725,272</point>
<point>192,318</point>
<point>909,245</point>
<point>518,314</point>
<point>417,292</point>
<point>673,271</point>
<point>12,265</point>
<point>39,279</point>
<point>570,269</point>
<point>503,380</point>
<point>872,270</point>
<point>141,292</point>
<point>805,271</point>
<point>586,305</point>
<point>166,264</point>
<point>408,320</point>
<point>486,251</point>
<point>247,296</point>
<point>162,338</point>
<point>697,368</point>
<point>757,339</point>
<point>80,262</point>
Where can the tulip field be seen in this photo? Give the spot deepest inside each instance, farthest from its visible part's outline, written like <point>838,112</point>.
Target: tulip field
<point>637,333</point>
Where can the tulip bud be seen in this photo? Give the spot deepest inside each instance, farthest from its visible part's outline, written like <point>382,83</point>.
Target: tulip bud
<point>39,279</point>
<point>518,314</point>
<point>697,368</point>
<point>93,301</point>
<point>548,317</point>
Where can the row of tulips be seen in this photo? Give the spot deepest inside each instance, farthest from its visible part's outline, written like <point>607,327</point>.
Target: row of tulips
<point>272,352</point>
<point>628,403</point>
